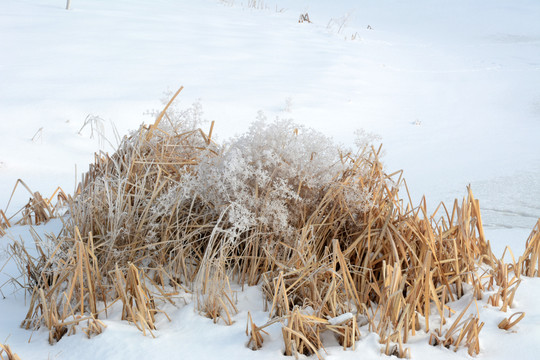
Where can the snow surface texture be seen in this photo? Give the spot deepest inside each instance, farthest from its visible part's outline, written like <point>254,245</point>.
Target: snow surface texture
<point>450,86</point>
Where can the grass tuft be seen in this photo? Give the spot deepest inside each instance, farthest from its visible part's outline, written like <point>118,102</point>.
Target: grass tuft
<point>318,227</point>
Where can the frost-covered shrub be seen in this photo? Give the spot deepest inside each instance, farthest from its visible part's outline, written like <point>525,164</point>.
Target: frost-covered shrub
<point>266,179</point>
<point>282,205</point>
<point>265,175</point>
<point>171,185</point>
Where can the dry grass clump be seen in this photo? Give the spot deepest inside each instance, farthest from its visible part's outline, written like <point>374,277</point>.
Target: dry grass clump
<point>138,305</point>
<point>508,284</point>
<point>38,209</point>
<point>460,332</point>
<point>529,263</point>
<point>255,334</point>
<point>93,327</point>
<point>464,333</point>
<point>215,298</point>
<point>317,226</point>
<point>66,287</point>
<point>4,223</point>
<point>301,335</point>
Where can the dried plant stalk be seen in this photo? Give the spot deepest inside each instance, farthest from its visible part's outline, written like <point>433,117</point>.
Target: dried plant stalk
<point>254,332</point>
<point>464,332</point>
<point>529,262</point>
<point>138,305</point>
<point>7,354</point>
<point>302,334</point>
<point>508,323</point>
<point>94,327</point>
<point>346,329</point>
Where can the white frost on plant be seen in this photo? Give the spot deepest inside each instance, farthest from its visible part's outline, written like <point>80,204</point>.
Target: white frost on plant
<point>267,179</point>
<point>338,320</point>
<point>265,175</point>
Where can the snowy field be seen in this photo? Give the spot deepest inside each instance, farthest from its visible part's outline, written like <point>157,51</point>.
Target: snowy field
<point>451,87</point>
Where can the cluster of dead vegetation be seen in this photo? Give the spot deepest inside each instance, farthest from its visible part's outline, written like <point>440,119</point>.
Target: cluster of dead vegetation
<point>345,249</point>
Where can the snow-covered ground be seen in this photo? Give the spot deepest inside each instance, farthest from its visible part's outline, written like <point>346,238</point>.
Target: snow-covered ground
<point>452,88</point>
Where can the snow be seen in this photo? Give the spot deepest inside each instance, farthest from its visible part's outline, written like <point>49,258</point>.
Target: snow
<point>450,86</point>
<point>338,320</point>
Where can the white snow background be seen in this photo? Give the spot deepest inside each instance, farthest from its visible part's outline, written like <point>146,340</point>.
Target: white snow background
<point>451,87</point>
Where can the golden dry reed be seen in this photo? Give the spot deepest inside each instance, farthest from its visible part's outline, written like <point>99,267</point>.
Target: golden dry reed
<point>7,354</point>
